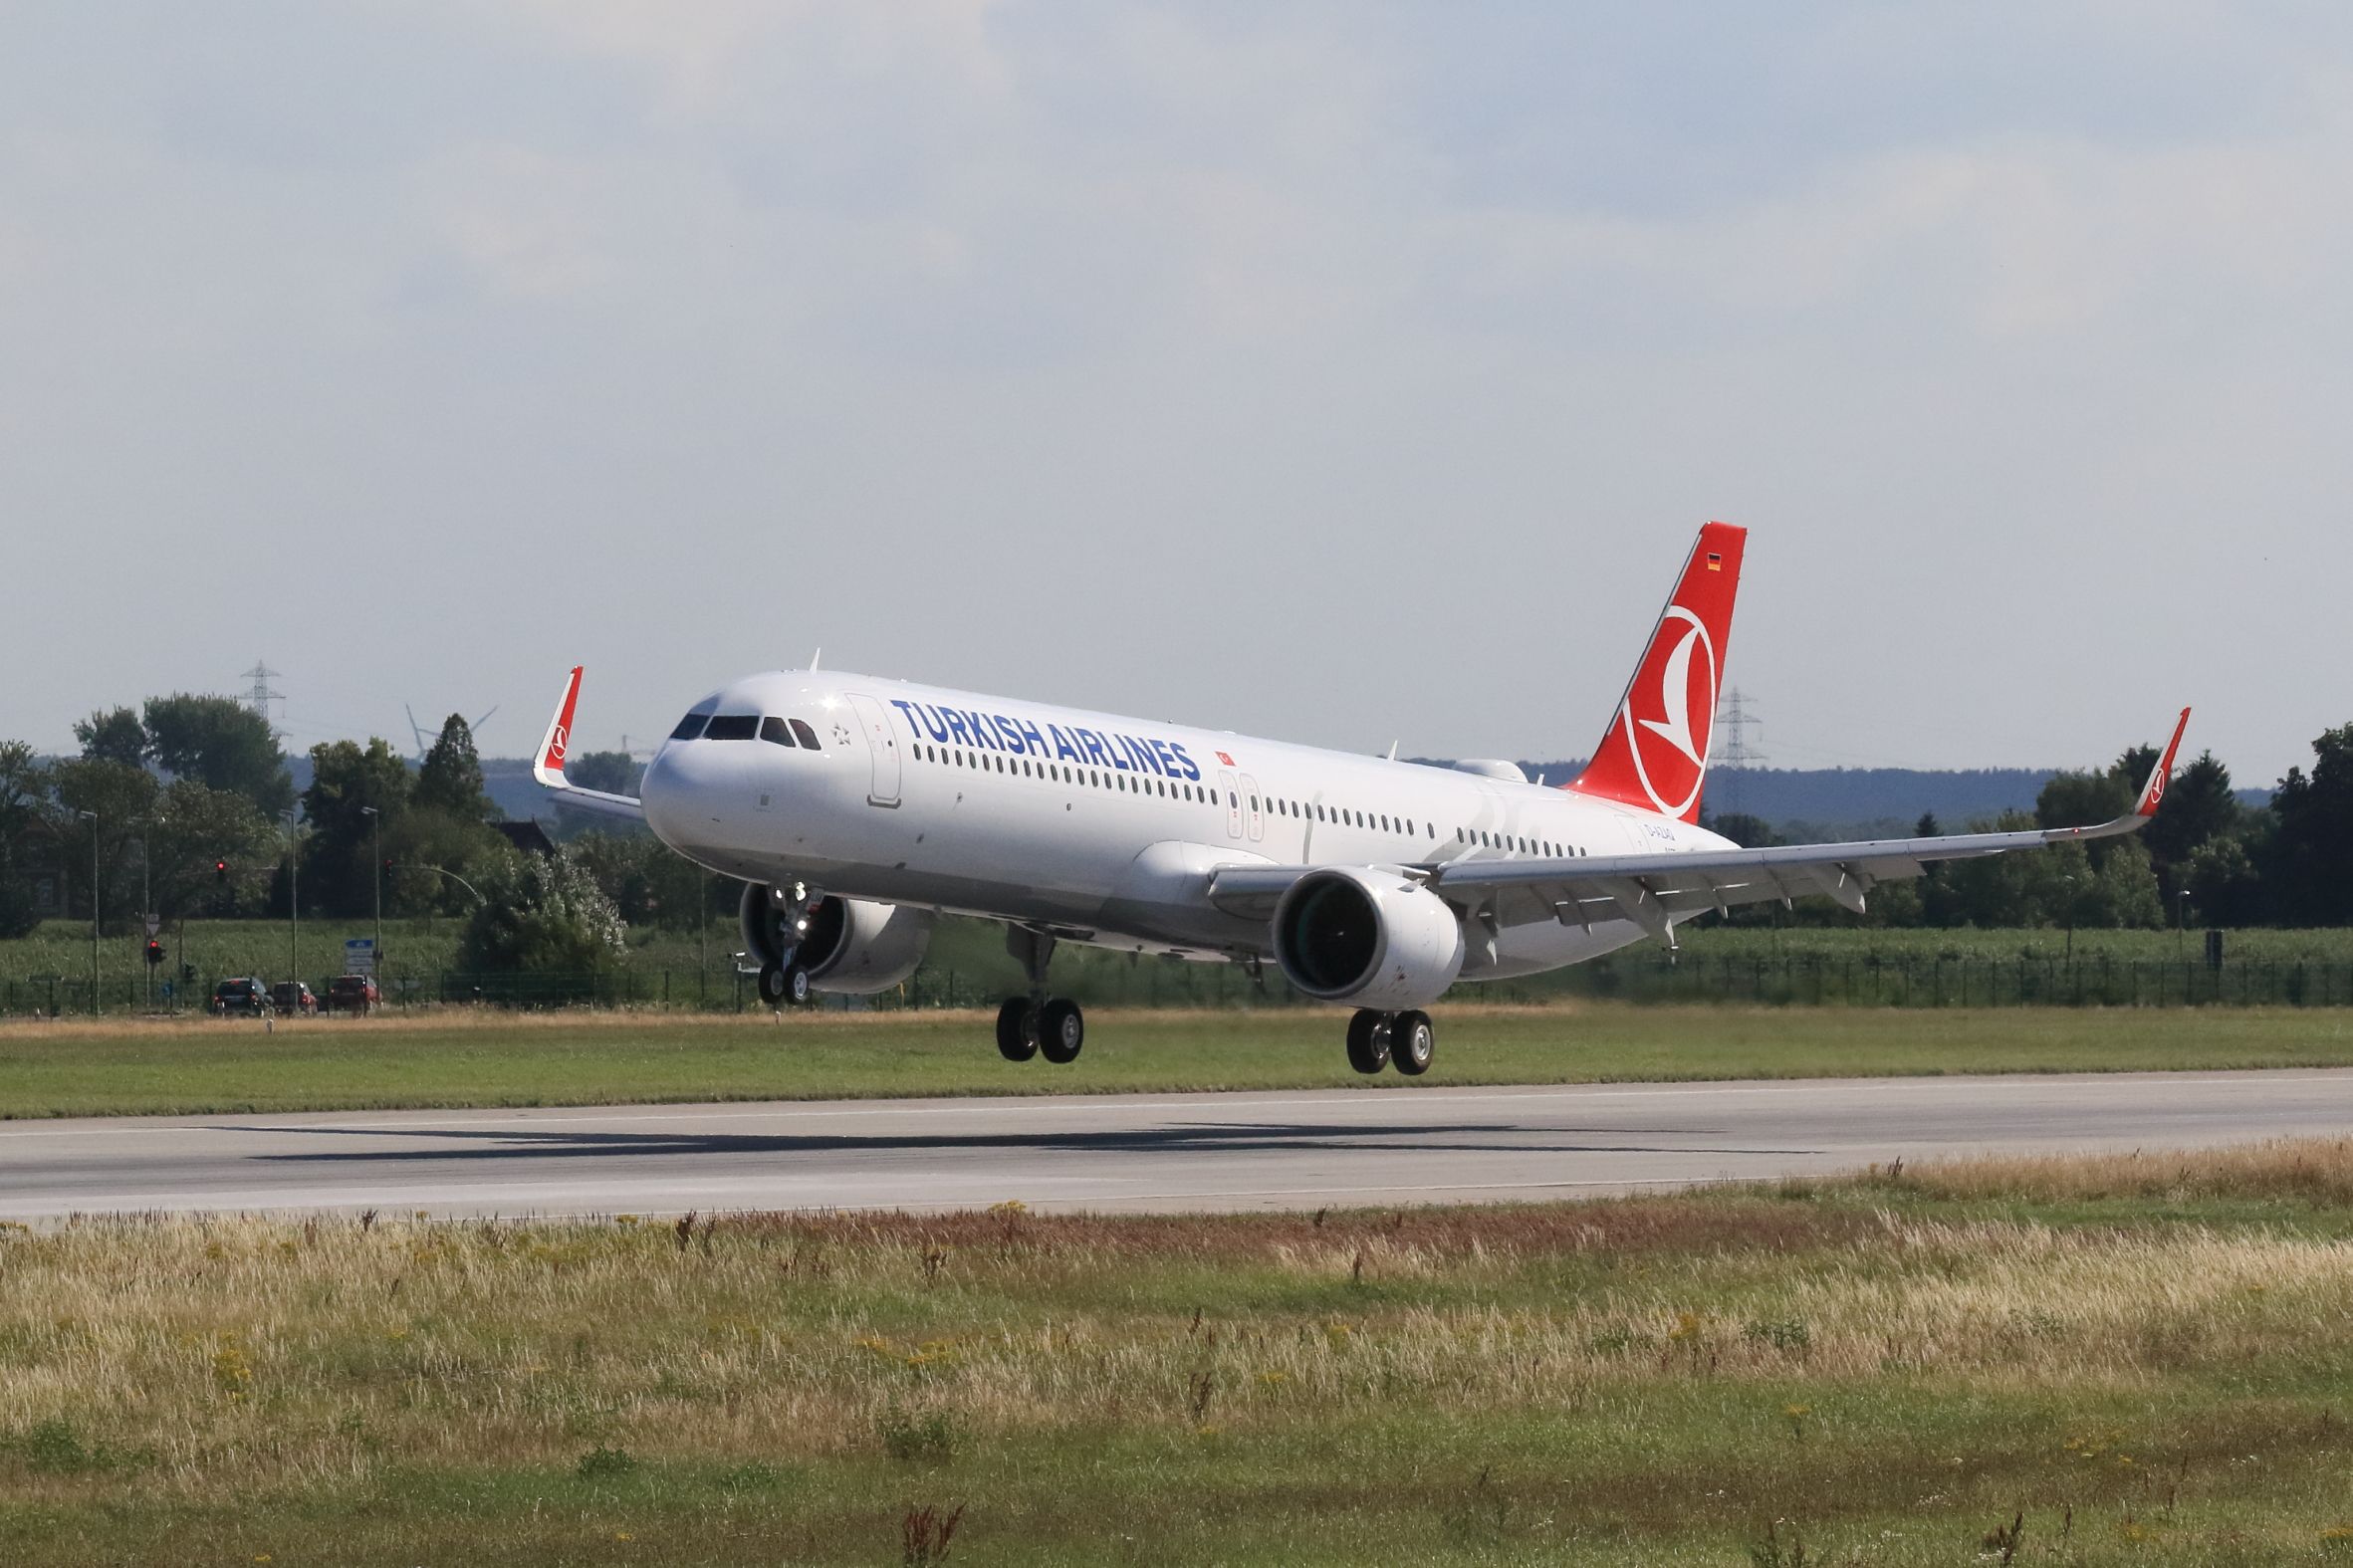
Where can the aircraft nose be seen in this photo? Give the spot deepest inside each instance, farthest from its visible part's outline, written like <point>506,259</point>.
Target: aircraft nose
<point>667,792</point>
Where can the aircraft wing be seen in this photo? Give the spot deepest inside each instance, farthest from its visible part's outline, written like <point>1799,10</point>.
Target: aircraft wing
<point>548,766</point>
<point>1655,891</point>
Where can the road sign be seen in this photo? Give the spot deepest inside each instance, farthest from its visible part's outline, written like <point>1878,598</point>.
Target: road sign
<point>154,925</point>
<point>359,956</point>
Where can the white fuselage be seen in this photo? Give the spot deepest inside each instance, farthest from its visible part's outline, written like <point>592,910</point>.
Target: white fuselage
<point>1095,826</point>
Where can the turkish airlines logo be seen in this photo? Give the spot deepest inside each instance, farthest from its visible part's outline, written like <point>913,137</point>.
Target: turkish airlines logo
<point>1677,683</point>
<point>557,741</point>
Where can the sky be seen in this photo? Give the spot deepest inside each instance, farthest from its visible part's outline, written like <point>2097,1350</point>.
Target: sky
<point>1348,372</point>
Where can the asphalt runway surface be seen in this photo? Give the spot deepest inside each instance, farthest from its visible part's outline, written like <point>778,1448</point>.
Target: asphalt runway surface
<point>1142,1152</point>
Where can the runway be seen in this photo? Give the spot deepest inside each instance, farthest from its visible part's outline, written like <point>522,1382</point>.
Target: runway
<point>1130,1151</point>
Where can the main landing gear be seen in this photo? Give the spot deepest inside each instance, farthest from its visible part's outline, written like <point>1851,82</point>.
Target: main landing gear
<point>1404,1040</point>
<point>783,982</point>
<point>1037,1024</point>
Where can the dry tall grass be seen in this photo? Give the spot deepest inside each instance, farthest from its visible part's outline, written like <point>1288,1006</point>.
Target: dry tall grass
<point>318,1352</point>
<point>2314,1170</point>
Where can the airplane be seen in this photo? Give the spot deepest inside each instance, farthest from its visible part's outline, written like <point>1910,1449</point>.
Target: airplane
<point>858,810</point>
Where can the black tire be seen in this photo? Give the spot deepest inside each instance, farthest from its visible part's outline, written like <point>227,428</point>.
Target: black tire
<point>1016,1029</point>
<point>772,984</point>
<point>1368,1041</point>
<point>1061,1030</point>
<point>799,990</point>
<point>1413,1043</point>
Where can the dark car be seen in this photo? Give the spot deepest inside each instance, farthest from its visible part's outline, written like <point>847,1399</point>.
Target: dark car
<point>352,993</point>
<point>242,995</point>
<point>293,997</point>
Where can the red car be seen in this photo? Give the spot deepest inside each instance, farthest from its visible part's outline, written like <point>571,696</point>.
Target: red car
<point>353,994</point>
<point>293,999</point>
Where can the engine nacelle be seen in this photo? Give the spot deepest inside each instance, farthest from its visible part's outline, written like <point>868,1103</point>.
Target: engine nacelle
<point>1373,938</point>
<point>847,945</point>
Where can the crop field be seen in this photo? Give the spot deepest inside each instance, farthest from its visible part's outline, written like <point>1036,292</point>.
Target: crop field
<point>49,971</point>
<point>2123,1360</point>
<point>467,1056</point>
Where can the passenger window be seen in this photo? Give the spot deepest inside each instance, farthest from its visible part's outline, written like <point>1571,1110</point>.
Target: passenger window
<point>690,727</point>
<point>772,729</point>
<point>808,736</point>
<point>734,726</point>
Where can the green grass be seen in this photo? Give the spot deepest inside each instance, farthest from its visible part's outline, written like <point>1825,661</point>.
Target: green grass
<point>2143,1359</point>
<point>455,1057</point>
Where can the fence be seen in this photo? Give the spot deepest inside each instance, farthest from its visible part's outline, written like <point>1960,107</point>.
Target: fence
<point>1867,980</point>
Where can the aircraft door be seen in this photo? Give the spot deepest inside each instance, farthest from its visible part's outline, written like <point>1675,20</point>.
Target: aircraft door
<point>1254,806</point>
<point>1231,790</point>
<point>882,749</point>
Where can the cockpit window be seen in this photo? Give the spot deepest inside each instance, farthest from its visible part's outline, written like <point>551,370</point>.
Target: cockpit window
<point>774,728</point>
<point>807,735</point>
<point>733,726</point>
<point>690,727</point>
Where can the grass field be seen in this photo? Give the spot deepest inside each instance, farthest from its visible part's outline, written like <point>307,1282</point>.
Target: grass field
<point>466,1057</point>
<point>2140,1360</point>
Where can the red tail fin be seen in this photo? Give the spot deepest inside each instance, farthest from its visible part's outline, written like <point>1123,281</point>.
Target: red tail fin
<point>1655,754</point>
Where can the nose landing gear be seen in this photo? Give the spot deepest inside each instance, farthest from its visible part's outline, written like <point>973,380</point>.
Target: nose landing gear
<point>1407,1041</point>
<point>1037,1024</point>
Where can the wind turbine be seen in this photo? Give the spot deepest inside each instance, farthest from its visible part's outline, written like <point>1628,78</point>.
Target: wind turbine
<point>424,743</point>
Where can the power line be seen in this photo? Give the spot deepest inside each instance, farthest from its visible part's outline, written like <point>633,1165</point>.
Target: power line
<point>1735,751</point>
<point>262,693</point>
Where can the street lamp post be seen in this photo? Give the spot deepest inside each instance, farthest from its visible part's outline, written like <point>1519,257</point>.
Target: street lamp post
<point>294,902</point>
<point>147,911</point>
<point>93,815</point>
<point>377,963</point>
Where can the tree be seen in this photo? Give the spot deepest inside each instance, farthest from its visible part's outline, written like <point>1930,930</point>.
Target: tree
<point>124,799</point>
<point>423,842</point>
<point>543,914</point>
<point>646,882</point>
<point>23,785</point>
<point>115,735</point>
<point>345,780</point>
<point>221,744</point>
<point>1750,832</point>
<point>450,779</point>
<point>2310,864</point>
<point>611,772</point>
<point>2198,808</point>
<point>194,827</point>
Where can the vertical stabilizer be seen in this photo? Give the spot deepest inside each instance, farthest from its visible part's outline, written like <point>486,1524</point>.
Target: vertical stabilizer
<point>1655,754</point>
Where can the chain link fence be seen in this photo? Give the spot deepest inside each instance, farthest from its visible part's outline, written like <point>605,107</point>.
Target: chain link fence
<point>1868,981</point>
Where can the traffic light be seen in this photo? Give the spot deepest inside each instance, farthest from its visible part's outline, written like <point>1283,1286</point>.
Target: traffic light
<point>187,973</point>
<point>220,872</point>
<point>154,952</point>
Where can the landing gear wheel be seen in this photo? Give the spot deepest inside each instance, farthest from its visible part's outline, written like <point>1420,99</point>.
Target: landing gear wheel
<point>798,989</point>
<point>1412,1042</point>
<point>1368,1041</point>
<point>1062,1030</point>
<point>772,984</point>
<point>1016,1029</point>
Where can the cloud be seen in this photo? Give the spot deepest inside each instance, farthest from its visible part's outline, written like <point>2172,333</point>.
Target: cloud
<point>1375,357</point>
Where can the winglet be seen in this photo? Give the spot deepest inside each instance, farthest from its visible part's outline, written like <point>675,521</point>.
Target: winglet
<point>2153,792</point>
<point>548,766</point>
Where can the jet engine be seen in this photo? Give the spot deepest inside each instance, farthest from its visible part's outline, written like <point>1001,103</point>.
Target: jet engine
<point>1373,938</point>
<point>848,945</point>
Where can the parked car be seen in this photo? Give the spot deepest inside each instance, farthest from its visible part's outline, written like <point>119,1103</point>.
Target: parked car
<point>293,997</point>
<point>243,993</point>
<point>353,994</point>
